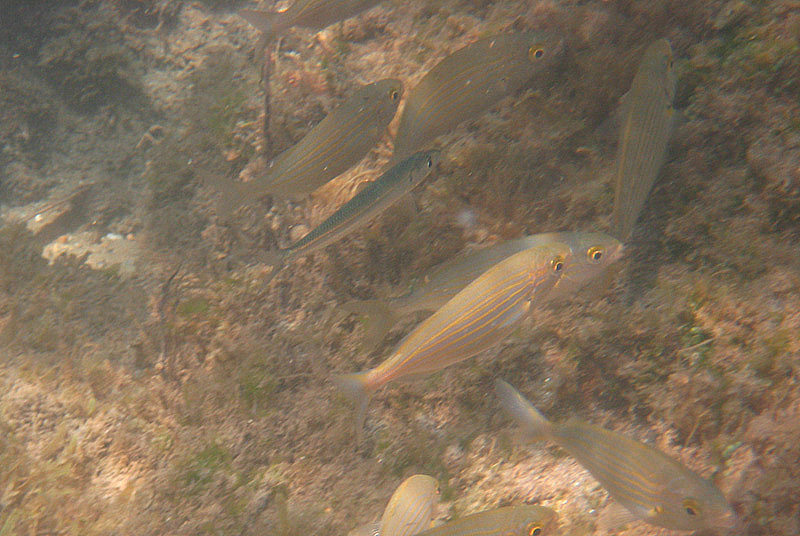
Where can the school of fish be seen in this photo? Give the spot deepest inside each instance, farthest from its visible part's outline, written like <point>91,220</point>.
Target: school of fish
<point>479,297</point>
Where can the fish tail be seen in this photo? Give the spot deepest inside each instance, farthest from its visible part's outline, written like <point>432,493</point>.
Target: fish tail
<point>264,21</point>
<point>356,388</point>
<point>378,315</point>
<point>534,425</point>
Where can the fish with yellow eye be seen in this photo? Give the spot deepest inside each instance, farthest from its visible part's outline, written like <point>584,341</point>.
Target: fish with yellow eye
<point>477,318</point>
<point>592,252</point>
<point>650,485</point>
<point>469,81</point>
<point>332,147</point>
<point>524,520</point>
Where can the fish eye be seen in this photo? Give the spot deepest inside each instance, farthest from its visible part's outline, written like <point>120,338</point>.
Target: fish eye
<point>534,529</point>
<point>394,94</point>
<point>557,264</point>
<point>535,53</point>
<point>691,507</point>
<point>430,162</point>
<point>595,253</point>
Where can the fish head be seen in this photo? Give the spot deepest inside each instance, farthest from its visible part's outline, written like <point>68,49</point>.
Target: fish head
<point>385,96</point>
<point>542,49</point>
<point>421,165</point>
<point>690,502</point>
<point>591,254</point>
<point>532,520</point>
<point>547,265</point>
<point>659,64</point>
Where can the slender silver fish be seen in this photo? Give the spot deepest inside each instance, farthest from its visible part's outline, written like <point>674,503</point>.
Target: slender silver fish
<point>474,320</point>
<point>336,144</point>
<point>470,80</point>
<point>311,14</point>
<point>363,207</point>
<point>409,511</point>
<point>524,520</point>
<point>448,278</point>
<point>652,486</point>
<point>647,120</point>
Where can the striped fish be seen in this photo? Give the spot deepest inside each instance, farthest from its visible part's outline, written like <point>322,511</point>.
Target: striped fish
<point>474,320</point>
<point>652,486</point>
<point>647,120</point>
<point>470,80</point>
<point>597,250</point>
<point>311,14</point>
<point>363,207</point>
<point>524,520</point>
<point>409,511</point>
<point>336,144</point>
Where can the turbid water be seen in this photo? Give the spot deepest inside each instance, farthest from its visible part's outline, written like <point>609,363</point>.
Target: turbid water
<point>157,379</point>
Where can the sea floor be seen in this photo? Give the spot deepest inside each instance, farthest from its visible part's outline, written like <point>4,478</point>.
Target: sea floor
<point>156,379</point>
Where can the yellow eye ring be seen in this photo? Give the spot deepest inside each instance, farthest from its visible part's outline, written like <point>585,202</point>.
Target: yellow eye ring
<point>557,264</point>
<point>595,253</point>
<point>394,94</point>
<point>535,53</point>
<point>691,507</point>
<point>534,530</point>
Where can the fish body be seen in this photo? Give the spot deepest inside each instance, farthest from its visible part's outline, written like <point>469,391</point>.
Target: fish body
<point>652,486</point>
<point>336,144</point>
<point>311,14</point>
<point>451,276</point>
<point>376,197</point>
<point>524,520</point>
<point>474,320</point>
<point>647,120</point>
<point>410,509</point>
<point>470,80</point>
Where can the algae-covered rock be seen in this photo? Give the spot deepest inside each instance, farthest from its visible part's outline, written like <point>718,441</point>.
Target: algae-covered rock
<point>87,59</point>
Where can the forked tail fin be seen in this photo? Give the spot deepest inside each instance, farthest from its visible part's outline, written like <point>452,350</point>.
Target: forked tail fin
<point>354,387</point>
<point>534,425</point>
<point>264,21</point>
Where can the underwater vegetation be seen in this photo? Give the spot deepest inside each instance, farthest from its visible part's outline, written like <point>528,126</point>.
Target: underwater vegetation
<point>195,398</point>
<point>86,59</point>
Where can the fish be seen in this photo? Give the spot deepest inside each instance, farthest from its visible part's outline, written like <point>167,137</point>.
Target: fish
<point>474,320</point>
<point>311,14</point>
<point>372,200</point>
<point>597,250</point>
<point>336,144</point>
<point>650,485</point>
<point>523,520</point>
<point>470,80</point>
<point>648,118</point>
<point>409,511</point>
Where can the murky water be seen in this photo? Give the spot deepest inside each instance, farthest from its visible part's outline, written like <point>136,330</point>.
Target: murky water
<point>160,377</point>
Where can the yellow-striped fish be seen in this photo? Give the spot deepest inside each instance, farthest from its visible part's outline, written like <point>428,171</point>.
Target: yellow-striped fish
<point>596,250</point>
<point>311,14</point>
<point>475,319</point>
<point>524,520</point>
<point>647,120</point>
<point>409,511</point>
<point>470,80</point>
<point>652,486</point>
<point>336,144</point>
